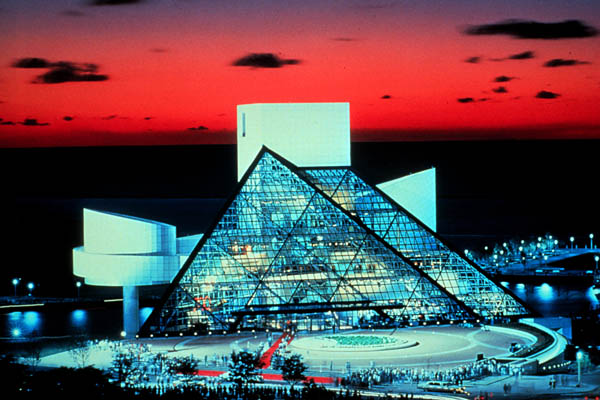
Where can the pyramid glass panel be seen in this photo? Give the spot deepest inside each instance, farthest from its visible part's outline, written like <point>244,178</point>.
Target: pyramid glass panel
<point>410,237</point>
<point>283,252</point>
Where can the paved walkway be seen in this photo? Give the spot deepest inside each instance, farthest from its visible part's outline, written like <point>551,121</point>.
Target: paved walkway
<point>524,387</point>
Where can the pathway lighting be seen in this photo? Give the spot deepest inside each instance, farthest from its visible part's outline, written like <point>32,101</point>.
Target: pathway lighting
<point>15,283</point>
<point>572,239</point>
<point>30,286</point>
<point>579,358</point>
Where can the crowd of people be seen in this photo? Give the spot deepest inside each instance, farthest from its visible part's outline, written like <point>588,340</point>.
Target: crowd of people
<point>368,377</point>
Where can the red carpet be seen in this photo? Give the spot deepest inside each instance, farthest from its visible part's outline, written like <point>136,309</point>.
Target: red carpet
<point>265,359</point>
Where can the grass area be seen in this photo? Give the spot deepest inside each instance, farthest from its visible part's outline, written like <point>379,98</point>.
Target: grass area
<point>361,340</point>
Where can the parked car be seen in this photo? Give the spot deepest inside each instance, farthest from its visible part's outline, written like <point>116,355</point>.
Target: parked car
<point>445,387</point>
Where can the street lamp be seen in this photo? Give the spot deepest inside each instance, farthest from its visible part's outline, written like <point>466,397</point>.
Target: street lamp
<point>15,282</point>
<point>30,286</point>
<point>591,240</point>
<point>572,239</point>
<point>78,284</point>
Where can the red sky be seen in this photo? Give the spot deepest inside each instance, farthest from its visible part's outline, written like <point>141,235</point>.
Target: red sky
<point>169,68</point>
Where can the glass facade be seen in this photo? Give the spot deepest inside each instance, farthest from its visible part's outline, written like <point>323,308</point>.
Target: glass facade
<point>319,249</point>
<point>392,223</point>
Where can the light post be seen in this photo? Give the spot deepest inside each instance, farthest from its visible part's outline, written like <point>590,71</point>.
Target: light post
<point>579,357</point>
<point>30,286</point>
<point>15,283</point>
<point>78,284</point>
<point>572,239</point>
<point>596,276</point>
<point>591,240</point>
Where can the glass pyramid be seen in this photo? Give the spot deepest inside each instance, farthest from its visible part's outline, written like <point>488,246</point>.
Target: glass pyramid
<point>405,233</point>
<point>281,252</point>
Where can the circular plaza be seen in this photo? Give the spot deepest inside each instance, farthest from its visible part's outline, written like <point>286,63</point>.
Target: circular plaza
<point>434,347</point>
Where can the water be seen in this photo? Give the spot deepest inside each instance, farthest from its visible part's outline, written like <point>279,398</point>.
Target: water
<point>556,300</point>
<point>548,300</point>
<point>94,322</point>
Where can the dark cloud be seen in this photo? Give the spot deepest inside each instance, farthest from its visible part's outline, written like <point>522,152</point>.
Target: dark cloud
<point>198,128</point>
<point>521,29</point>
<point>503,78</point>
<point>114,2</point>
<point>483,99</point>
<point>546,95</point>
<point>500,89</point>
<point>344,39</point>
<point>109,117</point>
<point>526,55</point>
<point>61,71</point>
<point>7,123</point>
<point>386,96</point>
<point>560,62</point>
<point>473,60</point>
<point>148,118</point>
<point>159,50</point>
<point>33,122</point>
<point>68,118</point>
<point>66,71</point>
<point>72,13</point>
<point>373,4</point>
<point>31,62</point>
<point>263,60</point>
<point>465,100</point>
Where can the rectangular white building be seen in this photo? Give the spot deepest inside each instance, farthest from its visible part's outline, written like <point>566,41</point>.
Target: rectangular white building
<point>307,134</point>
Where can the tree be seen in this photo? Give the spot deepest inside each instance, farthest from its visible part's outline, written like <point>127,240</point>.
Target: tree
<point>292,369</point>
<point>123,366</point>
<point>185,365</point>
<point>80,353</point>
<point>242,367</point>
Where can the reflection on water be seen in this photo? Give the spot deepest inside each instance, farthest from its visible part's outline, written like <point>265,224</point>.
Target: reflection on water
<point>59,323</point>
<point>26,323</point>
<point>548,300</point>
<point>556,300</point>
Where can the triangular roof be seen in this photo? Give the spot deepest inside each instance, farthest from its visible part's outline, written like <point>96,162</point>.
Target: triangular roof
<point>281,245</point>
<point>415,240</point>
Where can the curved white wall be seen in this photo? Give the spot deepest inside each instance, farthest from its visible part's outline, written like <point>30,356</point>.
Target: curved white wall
<point>124,269</point>
<point>119,250</point>
<point>111,233</point>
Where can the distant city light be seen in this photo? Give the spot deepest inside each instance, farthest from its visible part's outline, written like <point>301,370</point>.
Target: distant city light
<point>16,332</point>
<point>123,333</point>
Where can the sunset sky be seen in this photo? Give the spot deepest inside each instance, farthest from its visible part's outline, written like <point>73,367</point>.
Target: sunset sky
<point>110,72</point>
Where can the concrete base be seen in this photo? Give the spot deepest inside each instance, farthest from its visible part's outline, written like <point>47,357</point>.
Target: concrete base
<point>131,311</point>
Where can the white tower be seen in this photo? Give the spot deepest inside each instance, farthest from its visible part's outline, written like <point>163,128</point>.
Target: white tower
<point>306,134</point>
